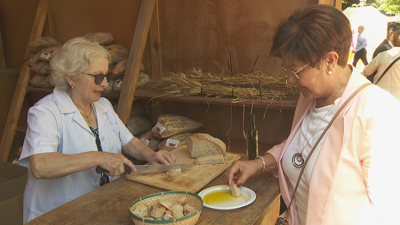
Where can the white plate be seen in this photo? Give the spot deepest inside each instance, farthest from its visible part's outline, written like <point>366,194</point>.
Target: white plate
<point>220,197</point>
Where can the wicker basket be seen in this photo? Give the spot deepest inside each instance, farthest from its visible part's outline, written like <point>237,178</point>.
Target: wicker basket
<point>193,199</point>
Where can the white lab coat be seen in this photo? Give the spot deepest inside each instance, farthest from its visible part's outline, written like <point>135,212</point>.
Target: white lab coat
<point>55,125</point>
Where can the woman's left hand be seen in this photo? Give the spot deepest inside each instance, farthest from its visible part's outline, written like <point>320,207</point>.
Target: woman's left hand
<point>162,157</point>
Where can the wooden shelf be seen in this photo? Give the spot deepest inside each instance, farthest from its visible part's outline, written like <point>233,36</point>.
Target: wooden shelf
<point>278,104</point>
<point>110,95</point>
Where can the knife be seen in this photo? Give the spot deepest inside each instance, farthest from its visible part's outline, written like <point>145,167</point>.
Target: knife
<point>150,168</point>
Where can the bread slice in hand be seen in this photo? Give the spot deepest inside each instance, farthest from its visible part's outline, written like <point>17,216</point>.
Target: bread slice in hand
<point>235,190</point>
<point>201,144</point>
<point>210,159</point>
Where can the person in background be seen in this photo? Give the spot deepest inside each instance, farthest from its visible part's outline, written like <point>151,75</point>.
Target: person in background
<point>390,81</point>
<point>387,43</point>
<point>344,165</point>
<point>74,130</point>
<point>360,52</point>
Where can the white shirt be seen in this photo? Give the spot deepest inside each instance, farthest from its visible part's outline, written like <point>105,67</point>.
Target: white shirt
<point>55,125</point>
<point>311,129</point>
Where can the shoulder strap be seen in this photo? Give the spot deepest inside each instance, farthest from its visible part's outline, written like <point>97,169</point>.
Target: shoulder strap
<point>391,64</point>
<point>322,135</point>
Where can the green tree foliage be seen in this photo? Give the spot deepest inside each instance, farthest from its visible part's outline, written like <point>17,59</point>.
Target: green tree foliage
<point>389,6</point>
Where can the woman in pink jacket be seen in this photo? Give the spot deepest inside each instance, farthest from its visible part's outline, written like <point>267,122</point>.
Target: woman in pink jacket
<point>340,163</point>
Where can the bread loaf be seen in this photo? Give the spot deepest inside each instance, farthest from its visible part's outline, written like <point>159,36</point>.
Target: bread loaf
<point>210,159</point>
<point>99,37</point>
<point>168,125</point>
<point>174,142</point>
<point>201,144</point>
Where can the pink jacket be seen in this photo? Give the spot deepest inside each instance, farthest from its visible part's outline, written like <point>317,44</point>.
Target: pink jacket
<point>356,177</point>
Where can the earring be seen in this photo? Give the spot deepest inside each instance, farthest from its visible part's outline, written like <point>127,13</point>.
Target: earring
<point>330,72</point>
<point>72,86</point>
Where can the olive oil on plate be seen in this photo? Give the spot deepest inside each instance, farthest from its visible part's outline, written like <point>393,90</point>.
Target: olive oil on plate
<point>223,198</point>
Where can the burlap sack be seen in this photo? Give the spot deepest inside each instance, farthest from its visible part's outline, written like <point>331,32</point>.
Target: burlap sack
<point>149,140</point>
<point>138,124</point>
<point>142,80</point>
<point>168,125</point>
<point>38,80</point>
<point>45,69</point>
<point>119,69</point>
<point>34,60</point>
<point>48,53</point>
<point>109,88</point>
<point>174,141</point>
<point>38,67</point>
<point>118,84</point>
<point>47,83</point>
<point>41,43</point>
<point>117,52</point>
<point>99,37</point>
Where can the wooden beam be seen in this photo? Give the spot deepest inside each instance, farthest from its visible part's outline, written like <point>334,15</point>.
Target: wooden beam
<point>22,83</point>
<point>3,64</point>
<point>155,45</point>
<point>127,97</point>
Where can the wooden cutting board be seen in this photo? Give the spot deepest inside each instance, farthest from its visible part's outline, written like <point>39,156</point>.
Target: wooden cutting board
<point>192,179</point>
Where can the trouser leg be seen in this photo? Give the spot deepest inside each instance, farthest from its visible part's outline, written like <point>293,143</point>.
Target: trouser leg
<point>355,60</point>
<point>363,56</point>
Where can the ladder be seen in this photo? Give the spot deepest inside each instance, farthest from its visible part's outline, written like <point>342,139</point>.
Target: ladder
<point>147,24</point>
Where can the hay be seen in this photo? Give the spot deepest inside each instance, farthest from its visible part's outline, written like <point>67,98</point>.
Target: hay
<point>258,85</point>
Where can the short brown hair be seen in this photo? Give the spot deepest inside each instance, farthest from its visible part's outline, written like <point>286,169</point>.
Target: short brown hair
<point>396,39</point>
<point>310,34</point>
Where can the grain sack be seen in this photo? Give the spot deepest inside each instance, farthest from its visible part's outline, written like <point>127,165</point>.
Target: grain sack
<point>174,141</point>
<point>149,140</point>
<point>168,125</point>
<point>109,88</point>
<point>38,67</point>
<point>119,69</point>
<point>142,80</point>
<point>38,80</point>
<point>45,69</point>
<point>138,124</point>
<point>48,53</point>
<point>118,84</point>
<point>101,38</point>
<point>41,43</point>
<point>117,52</point>
<point>34,60</point>
<point>48,82</point>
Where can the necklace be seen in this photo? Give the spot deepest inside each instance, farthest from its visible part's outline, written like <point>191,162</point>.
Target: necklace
<point>297,159</point>
<point>87,117</point>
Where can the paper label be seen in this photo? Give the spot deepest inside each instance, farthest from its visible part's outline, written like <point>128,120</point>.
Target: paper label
<point>172,143</point>
<point>117,83</point>
<point>159,128</point>
<point>145,141</point>
<point>45,55</point>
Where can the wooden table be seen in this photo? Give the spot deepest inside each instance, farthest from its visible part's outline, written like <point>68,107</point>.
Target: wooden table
<point>110,204</point>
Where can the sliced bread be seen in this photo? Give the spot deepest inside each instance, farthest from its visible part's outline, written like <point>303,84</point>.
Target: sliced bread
<point>210,159</point>
<point>201,144</point>
<point>235,190</point>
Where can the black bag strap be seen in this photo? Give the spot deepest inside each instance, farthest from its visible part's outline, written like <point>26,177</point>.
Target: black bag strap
<point>391,64</point>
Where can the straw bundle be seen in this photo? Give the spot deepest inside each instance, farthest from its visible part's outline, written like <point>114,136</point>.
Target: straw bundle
<point>251,86</point>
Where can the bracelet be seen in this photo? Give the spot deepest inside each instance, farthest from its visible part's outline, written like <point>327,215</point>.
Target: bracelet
<point>263,166</point>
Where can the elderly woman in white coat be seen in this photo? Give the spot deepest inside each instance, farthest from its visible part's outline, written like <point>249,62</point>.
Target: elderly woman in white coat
<point>339,164</point>
<point>74,130</point>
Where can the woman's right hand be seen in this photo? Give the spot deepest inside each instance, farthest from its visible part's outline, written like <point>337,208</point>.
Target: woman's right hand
<point>242,170</point>
<point>114,163</point>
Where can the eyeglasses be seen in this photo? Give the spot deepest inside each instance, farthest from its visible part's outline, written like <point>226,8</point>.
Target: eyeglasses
<point>295,73</point>
<point>100,77</point>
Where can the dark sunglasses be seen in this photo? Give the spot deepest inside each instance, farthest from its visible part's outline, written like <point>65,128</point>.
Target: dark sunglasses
<point>100,77</point>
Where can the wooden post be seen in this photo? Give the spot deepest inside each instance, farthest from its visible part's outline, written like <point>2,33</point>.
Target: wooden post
<point>126,97</point>
<point>2,58</point>
<point>155,46</point>
<point>22,83</point>
<point>336,3</point>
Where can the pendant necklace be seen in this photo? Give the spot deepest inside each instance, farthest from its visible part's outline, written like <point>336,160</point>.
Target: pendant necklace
<point>87,117</point>
<point>297,159</point>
